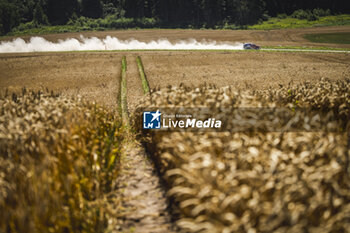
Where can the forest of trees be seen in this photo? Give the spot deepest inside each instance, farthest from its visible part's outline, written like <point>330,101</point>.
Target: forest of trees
<point>169,12</point>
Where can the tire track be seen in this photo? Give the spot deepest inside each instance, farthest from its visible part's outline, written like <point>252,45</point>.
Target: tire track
<point>123,93</point>
<point>145,207</point>
<point>135,91</point>
<point>145,85</point>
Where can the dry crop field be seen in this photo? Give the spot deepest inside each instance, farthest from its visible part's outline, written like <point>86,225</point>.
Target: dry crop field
<point>72,74</point>
<point>68,164</point>
<point>96,75</point>
<point>256,179</point>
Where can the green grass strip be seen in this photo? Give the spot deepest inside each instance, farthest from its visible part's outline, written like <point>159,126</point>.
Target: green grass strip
<point>123,93</point>
<point>144,81</point>
<point>335,38</point>
<point>289,22</point>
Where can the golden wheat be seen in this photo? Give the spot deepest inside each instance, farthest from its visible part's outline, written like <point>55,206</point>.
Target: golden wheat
<point>255,180</point>
<point>59,159</point>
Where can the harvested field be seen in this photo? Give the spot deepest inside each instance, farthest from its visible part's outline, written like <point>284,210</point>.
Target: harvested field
<point>90,74</point>
<point>252,70</point>
<point>84,74</point>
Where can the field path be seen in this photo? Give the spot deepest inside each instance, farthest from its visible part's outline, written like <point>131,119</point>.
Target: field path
<point>145,207</point>
<point>144,199</point>
<point>133,82</point>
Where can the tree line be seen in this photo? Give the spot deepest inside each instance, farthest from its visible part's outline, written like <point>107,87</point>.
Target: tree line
<point>180,13</point>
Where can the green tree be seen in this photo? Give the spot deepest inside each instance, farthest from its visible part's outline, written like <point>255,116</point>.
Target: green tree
<point>9,16</point>
<point>60,11</point>
<point>39,16</point>
<point>243,12</point>
<point>26,9</point>
<point>92,8</point>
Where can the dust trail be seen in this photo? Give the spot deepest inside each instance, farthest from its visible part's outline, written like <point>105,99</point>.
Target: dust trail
<point>39,44</point>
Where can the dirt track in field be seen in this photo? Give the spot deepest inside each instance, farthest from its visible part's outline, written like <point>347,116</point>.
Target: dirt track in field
<point>143,197</point>
<point>133,82</point>
<point>285,37</point>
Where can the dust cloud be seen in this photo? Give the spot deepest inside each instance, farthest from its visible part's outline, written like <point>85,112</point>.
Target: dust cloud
<point>39,44</point>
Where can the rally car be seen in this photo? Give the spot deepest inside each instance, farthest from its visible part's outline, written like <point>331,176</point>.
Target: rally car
<point>250,46</point>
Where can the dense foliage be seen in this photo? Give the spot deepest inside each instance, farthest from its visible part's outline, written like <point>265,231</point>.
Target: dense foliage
<point>170,13</point>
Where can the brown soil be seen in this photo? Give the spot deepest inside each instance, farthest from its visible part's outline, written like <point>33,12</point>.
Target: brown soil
<point>144,200</point>
<point>285,37</point>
